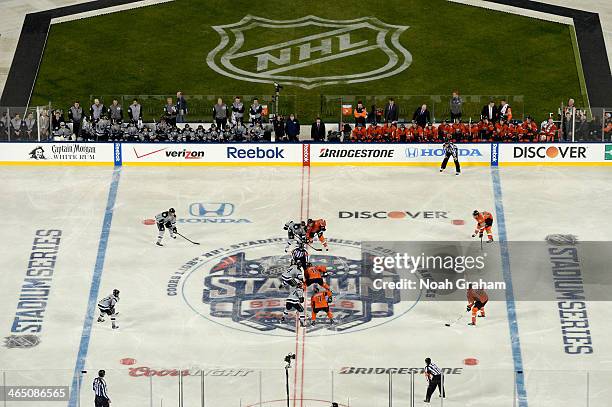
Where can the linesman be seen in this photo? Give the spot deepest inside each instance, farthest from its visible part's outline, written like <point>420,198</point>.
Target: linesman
<point>434,376</point>
<point>100,390</point>
<point>450,150</point>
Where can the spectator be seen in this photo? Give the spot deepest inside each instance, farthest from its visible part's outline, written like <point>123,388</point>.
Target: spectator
<point>76,115</point>
<point>608,126</point>
<point>237,111</point>
<point>6,119</point>
<point>29,124</point>
<point>97,110</point>
<point>361,114</point>
<point>567,119</point>
<point>346,131</point>
<point>317,131</point>
<point>505,111</point>
<point>549,131</point>
<point>456,106</point>
<point>375,115</point>
<point>220,113</point>
<point>45,124</point>
<point>391,111</point>
<point>278,123</point>
<point>170,112</point>
<point>57,118</point>
<point>135,112</point>
<point>582,126</point>
<point>490,112</point>
<point>568,123</point>
<point>5,123</point>
<point>421,116</point>
<point>181,107</point>
<point>116,112</point>
<point>292,128</point>
<point>16,123</point>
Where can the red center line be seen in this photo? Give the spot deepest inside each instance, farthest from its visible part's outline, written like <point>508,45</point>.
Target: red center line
<point>305,305</point>
<point>297,325</point>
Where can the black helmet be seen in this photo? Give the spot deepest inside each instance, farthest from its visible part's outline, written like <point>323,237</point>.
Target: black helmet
<point>171,210</point>
<point>116,292</point>
<point>475,213</point>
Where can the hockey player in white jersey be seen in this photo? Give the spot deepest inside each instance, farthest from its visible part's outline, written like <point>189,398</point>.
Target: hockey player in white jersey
<point>107,307</point>
<point>166,220</point>
<point>292,277</point>
<point>294,302</point>
<point>296,234</point>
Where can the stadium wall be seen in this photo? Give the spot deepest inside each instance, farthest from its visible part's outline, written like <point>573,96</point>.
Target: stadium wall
<point>303,154</point>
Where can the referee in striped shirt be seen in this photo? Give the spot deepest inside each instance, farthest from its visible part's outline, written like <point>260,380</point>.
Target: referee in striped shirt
<point>434,376</point>
<point>99,388</point>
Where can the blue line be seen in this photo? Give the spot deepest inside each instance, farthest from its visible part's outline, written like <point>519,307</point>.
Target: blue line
<point>95,286</point>
<point>510,305</point>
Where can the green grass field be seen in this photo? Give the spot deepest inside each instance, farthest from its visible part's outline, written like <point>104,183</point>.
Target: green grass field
<point>160,49</point>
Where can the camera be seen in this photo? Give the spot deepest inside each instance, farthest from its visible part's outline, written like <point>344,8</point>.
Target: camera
<point>277,87</point>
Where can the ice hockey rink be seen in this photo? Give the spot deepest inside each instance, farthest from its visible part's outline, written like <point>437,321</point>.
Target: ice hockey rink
<point>91,223</point>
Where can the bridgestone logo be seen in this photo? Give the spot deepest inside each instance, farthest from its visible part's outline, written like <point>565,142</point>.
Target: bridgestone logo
<point>369,153</point>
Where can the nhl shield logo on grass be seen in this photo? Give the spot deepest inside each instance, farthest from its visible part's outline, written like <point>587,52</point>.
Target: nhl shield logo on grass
<point>309,51</point>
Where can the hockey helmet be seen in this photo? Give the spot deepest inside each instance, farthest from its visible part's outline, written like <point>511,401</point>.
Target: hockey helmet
<point>171,210</point>
<point>116,292</point>
<point>475,213</point>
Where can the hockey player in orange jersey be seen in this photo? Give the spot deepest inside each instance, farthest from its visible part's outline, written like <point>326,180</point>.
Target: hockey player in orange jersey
<point>484,221</point>
<point>315,228</point>
<point>320,302</point>
<point>477,299</point>
<point>314,275</point>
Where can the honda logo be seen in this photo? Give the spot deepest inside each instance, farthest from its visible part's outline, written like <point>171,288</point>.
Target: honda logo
<point>412,152</point>
<point>211,209</point>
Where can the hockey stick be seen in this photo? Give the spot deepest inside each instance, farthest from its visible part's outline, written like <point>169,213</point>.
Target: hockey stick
<point>459,318</point>
<point>189,240</point>
<point>314,248</point>
<point>481,241</point>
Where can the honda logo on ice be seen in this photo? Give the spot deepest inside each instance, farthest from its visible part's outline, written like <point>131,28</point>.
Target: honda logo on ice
<point>211,209</point>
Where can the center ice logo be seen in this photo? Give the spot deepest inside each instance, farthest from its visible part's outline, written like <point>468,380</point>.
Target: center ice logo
<point>326,45</point>
<point>240,287</point>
